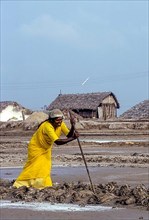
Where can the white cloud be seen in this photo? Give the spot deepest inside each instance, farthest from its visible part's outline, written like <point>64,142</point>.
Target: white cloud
<point>46,26</point>
<point>89,31</point>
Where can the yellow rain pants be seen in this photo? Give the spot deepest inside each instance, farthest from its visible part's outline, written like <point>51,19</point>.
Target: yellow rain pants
<point>37,170</point>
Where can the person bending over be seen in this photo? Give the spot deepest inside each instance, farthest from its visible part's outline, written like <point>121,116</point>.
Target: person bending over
<point>37,170</point>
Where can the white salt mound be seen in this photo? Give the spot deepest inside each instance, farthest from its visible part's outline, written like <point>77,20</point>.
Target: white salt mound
<point>10,114</point>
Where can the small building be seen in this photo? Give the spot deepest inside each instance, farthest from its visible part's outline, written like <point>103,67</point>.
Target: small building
<point>102,105</point>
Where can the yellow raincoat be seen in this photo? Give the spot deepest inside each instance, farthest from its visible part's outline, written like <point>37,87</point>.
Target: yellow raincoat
<point>37,170</point>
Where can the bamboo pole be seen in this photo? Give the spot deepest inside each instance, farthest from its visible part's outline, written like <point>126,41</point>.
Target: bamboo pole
<point>92,187</point>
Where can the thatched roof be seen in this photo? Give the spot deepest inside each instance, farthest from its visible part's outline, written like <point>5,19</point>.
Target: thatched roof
<point>139,111</point>
<point>80,101</point>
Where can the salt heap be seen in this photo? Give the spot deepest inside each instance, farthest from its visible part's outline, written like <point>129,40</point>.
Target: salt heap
<point>12,111</point>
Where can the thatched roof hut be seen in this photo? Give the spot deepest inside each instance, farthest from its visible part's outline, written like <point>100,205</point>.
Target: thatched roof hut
<point>101,105</point>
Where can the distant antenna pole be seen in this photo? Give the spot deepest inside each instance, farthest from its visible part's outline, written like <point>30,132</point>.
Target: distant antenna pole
<point>60,92</point>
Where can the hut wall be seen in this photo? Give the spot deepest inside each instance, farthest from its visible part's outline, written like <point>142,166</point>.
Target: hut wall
<point>100,113</point>
<point>109,111</point>
<point>108,108</point>
<point>110,100</point>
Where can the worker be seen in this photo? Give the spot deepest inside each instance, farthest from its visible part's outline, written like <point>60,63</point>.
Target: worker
<point>37,170</point>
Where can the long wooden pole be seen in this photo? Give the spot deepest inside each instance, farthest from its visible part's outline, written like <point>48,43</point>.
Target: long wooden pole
<point>92,187</point>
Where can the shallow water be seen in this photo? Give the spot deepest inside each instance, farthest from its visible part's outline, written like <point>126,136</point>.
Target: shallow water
<point>112,140</point>
<point>122,175</point>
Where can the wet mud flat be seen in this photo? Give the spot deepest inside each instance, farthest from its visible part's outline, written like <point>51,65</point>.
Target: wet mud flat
<point>112,167</point>
<point>74,201</point>
<point>79,193</point>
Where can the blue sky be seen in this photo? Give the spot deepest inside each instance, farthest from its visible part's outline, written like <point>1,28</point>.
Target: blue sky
<point>48,47</point>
